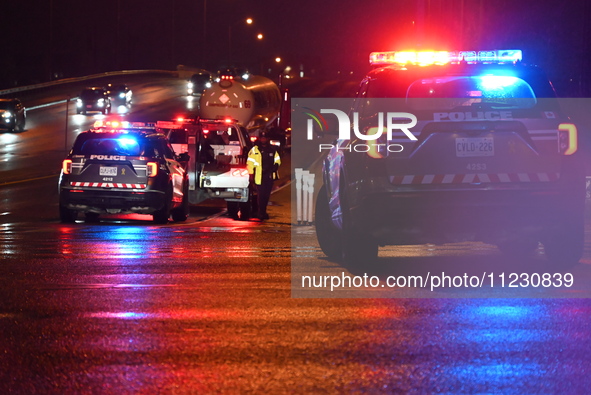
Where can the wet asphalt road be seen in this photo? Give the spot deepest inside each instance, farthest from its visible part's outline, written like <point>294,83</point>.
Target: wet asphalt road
<point>124,306</point>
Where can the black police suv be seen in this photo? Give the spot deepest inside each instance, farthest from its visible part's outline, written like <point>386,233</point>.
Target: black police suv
<point>120,170</point>
<point>454,146</point>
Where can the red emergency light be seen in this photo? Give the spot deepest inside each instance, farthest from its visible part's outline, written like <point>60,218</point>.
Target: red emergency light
<point>427,58</point>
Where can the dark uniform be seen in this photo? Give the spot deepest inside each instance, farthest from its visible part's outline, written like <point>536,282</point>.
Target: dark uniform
<point>262,163</point>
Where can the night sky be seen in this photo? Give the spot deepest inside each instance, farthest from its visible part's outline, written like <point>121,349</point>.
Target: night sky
<point>328,38</point>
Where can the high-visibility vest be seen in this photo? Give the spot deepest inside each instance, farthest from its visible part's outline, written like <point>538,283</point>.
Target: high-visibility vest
<point>254,164</point>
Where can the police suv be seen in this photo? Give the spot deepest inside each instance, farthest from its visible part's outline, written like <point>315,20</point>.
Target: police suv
<point>474,147</point>
<point>122,168</point>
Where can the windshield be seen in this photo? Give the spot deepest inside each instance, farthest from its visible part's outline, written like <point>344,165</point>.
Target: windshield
<point>123,144</point>
<point>221,136</point>
<point>91,94</point>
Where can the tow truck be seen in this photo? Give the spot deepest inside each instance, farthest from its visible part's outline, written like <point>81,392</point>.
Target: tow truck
<point>218,149</point>
<point>450,146</point>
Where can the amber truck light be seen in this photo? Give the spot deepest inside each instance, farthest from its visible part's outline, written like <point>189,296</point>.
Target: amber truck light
<point>67,166</point>
<point>567,138</point>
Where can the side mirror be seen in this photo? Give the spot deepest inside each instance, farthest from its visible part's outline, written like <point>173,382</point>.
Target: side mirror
<point>184,157</point>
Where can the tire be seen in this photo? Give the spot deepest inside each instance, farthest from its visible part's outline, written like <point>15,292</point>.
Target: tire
<point>245,210</point>
<point>67,216</point>
<point>91,217</point>
<point>233,209</point>
<point>564,245</point>
<point>329,236</point>
<point>181,213</point>
<point>359,249</point>
<point>162,215</point>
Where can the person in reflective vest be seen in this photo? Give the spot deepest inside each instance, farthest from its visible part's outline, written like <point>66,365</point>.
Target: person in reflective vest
<point>263,165</point>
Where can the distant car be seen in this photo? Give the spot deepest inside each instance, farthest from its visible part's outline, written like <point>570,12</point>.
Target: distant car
<point>120,169</point>
<point>13,114</point>
<point>120,94</point>
<point>93,99</point>
<point>199,82</point>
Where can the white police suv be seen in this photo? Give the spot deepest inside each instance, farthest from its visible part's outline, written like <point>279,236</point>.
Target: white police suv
<point>453,146</point>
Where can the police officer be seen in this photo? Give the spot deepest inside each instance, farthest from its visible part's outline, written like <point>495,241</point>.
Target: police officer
<point>262,163</point>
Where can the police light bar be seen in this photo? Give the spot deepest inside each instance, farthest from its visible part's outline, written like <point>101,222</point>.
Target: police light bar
<point>100,124</point>
<point>427,58</point>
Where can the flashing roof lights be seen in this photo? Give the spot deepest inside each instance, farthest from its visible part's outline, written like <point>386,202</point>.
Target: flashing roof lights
<point>122,125</point>
<point>426,58</point>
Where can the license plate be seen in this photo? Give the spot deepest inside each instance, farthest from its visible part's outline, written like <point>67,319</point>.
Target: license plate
<point>108,171</point>
<point>89,106</point>
<point>474,146</point>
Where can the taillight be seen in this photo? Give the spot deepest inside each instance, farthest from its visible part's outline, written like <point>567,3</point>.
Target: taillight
<point>240,172</point>
<point>152,169</point>
<point>567,139</point>
<point>67,166</point>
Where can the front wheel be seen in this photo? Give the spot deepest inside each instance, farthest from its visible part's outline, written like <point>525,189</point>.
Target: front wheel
<point>328,235</point>
<point>181,213</point>
<point>360,250</point>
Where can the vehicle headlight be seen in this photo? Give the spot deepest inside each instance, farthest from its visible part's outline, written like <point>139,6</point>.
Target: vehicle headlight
<point>190,85</point>
<point>6,114</point>
<point>122,95</point>
<point>78,102</point>
<point>101,102</point>
<point>208,84</point>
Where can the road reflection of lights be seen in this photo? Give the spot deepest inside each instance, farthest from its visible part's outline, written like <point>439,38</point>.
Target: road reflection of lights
<point>128,315</point>
<point>7,141</point>
<point>79,119</point>
<point>190,103</point>
<point>173,315</point>
<point>488,374</point>
<point>122,109</point>
<point>496,327</point>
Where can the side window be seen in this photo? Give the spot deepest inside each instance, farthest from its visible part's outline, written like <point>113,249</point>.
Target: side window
<point>168,151</point>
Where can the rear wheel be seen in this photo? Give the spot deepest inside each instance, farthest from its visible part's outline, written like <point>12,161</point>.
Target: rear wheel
<point>181,213</point>
<point>91,217</point>
<point>329,236</point>
<point>162,215</point>
<point>245,210</point>
<point>67,216</point>
<point>233,209</point>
